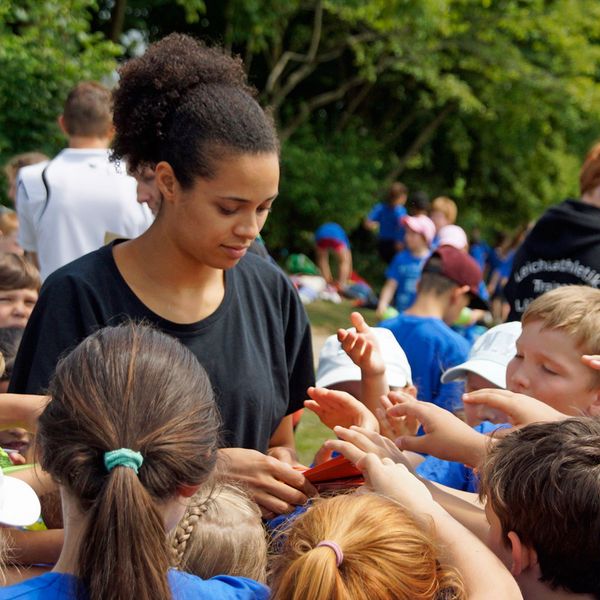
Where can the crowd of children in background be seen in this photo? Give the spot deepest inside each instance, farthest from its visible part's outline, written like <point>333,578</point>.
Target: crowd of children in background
<point>161,462</point>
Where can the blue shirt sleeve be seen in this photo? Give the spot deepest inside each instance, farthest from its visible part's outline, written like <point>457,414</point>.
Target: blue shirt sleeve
<point>375,214</point>
<point>453,474</point>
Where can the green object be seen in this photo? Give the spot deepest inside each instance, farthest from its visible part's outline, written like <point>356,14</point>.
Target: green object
<point>123,457</point>
<point>390,313</point>
<point>300,263</point>
<point>5,461</point>
<point>464,318</point>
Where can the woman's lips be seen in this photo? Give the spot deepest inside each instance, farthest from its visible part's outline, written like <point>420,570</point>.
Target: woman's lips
<point>235,251</point>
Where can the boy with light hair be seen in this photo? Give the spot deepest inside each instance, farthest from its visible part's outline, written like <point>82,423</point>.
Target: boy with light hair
<point>443,212</point>
<point>557,329</point>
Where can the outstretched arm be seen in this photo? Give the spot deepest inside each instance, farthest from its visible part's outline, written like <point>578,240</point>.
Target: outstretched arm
<point>462,549</point>
<point>21,410</point>
<point>363,349</point>
<point>445,435</point>
<point>518,409</point>
<point>387,293</point>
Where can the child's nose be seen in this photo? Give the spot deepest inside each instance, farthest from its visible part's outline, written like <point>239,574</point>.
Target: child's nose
<point>518,380</point>
<point>19,309</point>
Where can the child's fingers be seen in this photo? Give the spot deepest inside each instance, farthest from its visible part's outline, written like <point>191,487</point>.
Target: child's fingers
<point>385,402</point>
<point>398,397</point>
<point>323,455</point>
<point>342,334</point>
<point>591,360</point>
<point>314,407</point>
<point>414,444</point>
<point>359,322</point>
<point>347,449</point>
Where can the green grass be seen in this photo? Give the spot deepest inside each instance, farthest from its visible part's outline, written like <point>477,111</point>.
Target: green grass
<point>327,317</point>
<point>310,435</point>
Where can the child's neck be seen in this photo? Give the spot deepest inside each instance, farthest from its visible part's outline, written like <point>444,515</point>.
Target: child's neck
<point>419,252</point>
<point>75,526</point>
<point>427,305</point>
<point>88,143</point>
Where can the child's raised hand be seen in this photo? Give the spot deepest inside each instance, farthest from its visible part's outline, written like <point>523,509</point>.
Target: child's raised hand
<point>339,408</point>
<point>395,427</point>
<point>446,436</point>
<point>519,409</point>
<point>355,442</point>
<point>362,347</point>
<point>386,477</point>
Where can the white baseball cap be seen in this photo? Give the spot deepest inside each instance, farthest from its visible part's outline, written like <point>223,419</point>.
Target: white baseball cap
<point>490,355</point>
<point>336,366</point>
<point>19,504</point>
<point>453,235</point>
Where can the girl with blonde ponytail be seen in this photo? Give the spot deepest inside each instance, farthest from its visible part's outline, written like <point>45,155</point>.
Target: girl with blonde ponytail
<point>129,435</point>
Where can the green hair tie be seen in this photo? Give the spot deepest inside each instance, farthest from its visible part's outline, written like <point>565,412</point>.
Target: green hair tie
<point>123,457</point>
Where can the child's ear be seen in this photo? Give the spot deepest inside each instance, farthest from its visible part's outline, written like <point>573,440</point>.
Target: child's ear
<point>593,409</point>
<point>461,291</point>
<point>187,491</point>
<point>61,124</point>
<point>523,557</point>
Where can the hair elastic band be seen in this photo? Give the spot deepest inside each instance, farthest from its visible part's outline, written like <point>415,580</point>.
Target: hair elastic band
<point>123,457</point>
<point>339,555</point>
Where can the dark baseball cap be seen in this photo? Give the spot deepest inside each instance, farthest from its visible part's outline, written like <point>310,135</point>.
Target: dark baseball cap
<point>459,267</point>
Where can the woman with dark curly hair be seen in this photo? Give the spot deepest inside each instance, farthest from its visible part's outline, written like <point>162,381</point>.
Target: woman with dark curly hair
<point>187,112</point>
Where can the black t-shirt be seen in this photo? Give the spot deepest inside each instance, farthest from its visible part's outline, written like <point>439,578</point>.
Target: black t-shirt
<point>562,249</point>
<point>256,347</point>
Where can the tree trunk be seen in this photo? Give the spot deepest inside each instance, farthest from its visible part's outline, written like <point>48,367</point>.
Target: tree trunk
<point>117,20</point>
<point>423,138</point>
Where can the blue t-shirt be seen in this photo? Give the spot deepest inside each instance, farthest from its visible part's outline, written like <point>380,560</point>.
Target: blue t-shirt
<point>481,252</point>
<point>431,347</point>
<point>62,586</point>
<point>405,269</point>
<point>332,231</point>
<point>388,218</point>
<point>455,474</point>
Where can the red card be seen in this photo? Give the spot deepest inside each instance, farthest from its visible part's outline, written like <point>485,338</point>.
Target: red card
<point>337,473</point>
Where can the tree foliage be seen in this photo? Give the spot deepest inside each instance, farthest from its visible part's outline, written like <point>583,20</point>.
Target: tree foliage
<point>47,46</point>
<point>493,103</point>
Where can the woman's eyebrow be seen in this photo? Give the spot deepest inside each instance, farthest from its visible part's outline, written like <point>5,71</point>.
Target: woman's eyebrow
<point>245,200</point>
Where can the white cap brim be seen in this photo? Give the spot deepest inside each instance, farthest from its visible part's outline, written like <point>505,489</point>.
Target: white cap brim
<point>20,505</point>
<point>394,377</point>
<point>487,369</point>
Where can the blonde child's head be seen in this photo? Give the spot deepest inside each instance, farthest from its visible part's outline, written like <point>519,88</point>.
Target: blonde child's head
<point>17,162</point>
<point>558,327</point>
<point>221,532</point>
<point>443,211</point>
<point>361,546</point>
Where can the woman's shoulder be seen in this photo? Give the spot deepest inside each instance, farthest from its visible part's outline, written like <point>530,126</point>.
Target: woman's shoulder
<point>92,268</point>
<point>224,587</point>
<point>254,270</point>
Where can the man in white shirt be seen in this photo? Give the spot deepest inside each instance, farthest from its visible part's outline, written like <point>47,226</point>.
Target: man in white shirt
<point>74,203</point>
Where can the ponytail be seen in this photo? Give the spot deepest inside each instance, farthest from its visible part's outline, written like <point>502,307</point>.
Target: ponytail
<point>127,387</point>
<point>123,553</point>
<point>361,546</point>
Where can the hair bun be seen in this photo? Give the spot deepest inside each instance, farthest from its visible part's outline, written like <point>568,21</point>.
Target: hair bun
<point>178,101</point>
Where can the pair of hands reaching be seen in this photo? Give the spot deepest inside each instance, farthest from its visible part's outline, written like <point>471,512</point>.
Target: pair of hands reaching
<point>384,466</point>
